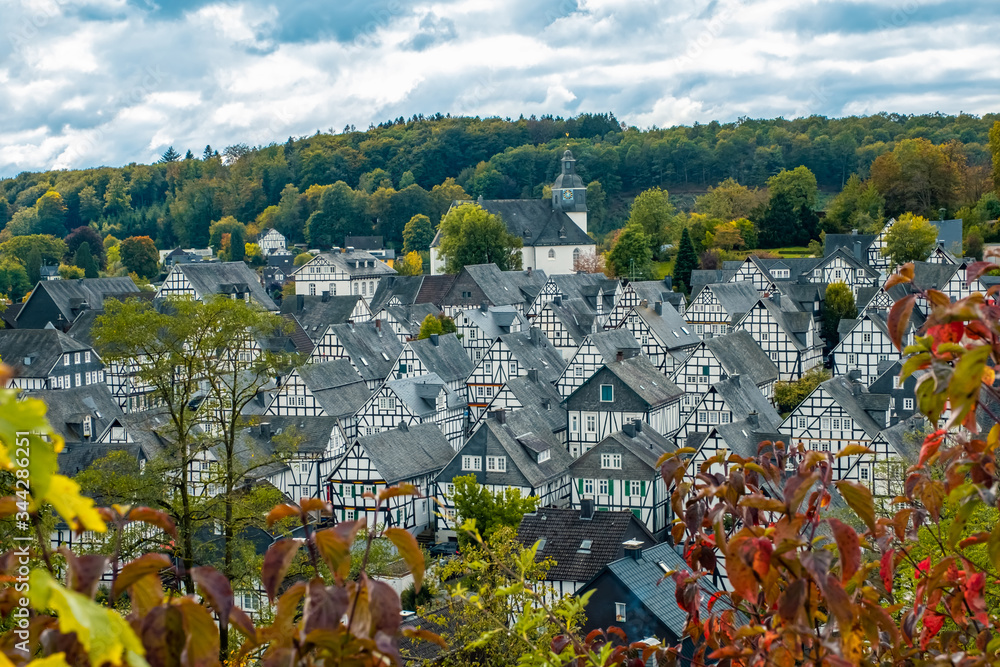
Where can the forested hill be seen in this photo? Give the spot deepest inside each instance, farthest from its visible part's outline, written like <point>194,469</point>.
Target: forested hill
<point>397,169</point>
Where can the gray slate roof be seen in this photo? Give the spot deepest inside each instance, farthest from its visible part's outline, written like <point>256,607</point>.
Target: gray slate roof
<point>41,348</point>
<point>670,329</point>
<point>420,394</point>
<point>907,437</point>
<point>639,374</point>
<point>70,296</point>
<point>702,277</point>
<point>744,437</point>
<point>68,407</point>
<point>314,314</point>
<point>336,386</point>
<point>400,454</point>
<point>446,357</point>
<point>640,450</point>
<point>609,343</point>
<point>373,352</point>
<point>736,298</point>
<point>412,316</point>
<point>405,288</point>
<point>855,399</point>
<point>740,354</point>
<point>209,278</point>
<point>497,320</point>
<point>564,531</point>
<point>532,350</point>
<point>574,314</point>
<point>534,221</point>
<point>542,398</point>
<point>743,398</point>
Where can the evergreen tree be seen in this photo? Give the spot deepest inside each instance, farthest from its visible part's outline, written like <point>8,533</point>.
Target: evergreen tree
<point>33,265</point>
<point>189,155</point>
<point>837,305</point>
<point>85,260</point>
<point>780,222</point>
<point>170,155</point>
<point>116,196</point>
<point>686,262</point>
<point>207,153</point>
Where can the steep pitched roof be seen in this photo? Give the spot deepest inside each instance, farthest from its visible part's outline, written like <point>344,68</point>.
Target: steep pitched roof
<point>609,343</point>
<point>73,296</point>
<point>540,397</point>
<point>521,435</point>
<point>735,298</point>
<point>407,452</point>
<point>532,350</point>
<point>907,437</point>
<point>744,398</point>
<point>412,316</point>
<point>315,313</point>
<point>209,278</point>
<point>496,321</point>
<point>336,386</point>
<point>564,531</point>
<point>740,354</point>
<point>404,288</point>
<point>702,277</point>
<point>743,437</point>
<point>68,407</point>
<point>643,445</point>
<point>642,377</point>
<point>854,244</point>
<point>855,399</point>
<point>668,326</point>
<point>33,353</point>
<point>313,433</point>
<point>373,352</point>
<point>576,316</point>
<point>534,221</point>
<point>494,283</point>
<point>444,356</point>
<point>434,289</point>
<point>363,242</point>
<point>419,394</point>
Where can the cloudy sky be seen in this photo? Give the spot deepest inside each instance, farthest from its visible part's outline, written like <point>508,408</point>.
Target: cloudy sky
<point>92,82</point>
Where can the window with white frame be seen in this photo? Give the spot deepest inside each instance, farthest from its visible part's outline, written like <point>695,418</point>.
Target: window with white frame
<point>636,488</point>
<point>472,463</point>
<point>802,422</point>
<point>602,487</point>
<point>620,612</point>
<point>607,393</point>
<point>591,423</point>
<point>574,423</point>
<point>496,463</point>
<point>864,472</point>
<point>907,403</point>
<point>86,357</point>
<point>588,486</point>
<point>824,423</point>
<point>611,461</point>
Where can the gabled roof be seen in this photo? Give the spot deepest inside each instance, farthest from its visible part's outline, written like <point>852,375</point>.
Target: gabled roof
<point>534,221</point>
<point>355,263</point>
<point>521,435</point>
<point>855,262</point>
<point>542,398</point>
<point>564,532</point>
<point>434,289</point>
<point>702,277</point>
<point>670,329</point>
<point>740,354</point>
<point>496,321</point>
<point>794,324</point>
<point>949,234</point>
<point>907,437</point>
<point>744,437</point>
<point>73,296</point>
<point>208,278</point>
<point>407,452</point>
<point>33,353</point>
<point>642,377</point>
<point>854,398</point>
<point>532,350</point>
<point>579,285</point>
<point>744,398</point>
<point>855,244</point>
<point>68,407</point>
<point>336,386</point>
<point>363,242</point>
<point>404,288</point>
<point>312,433</point>
<point>315,313</point>
<point>373,352</point>
<point>643,447</point>
<point>609,343</point>
<point>300,339</point>
<point>576,316</point>
<point>444,356</point>
<point>419,394</point>
<point>735,298</point>
<point>500,288</point>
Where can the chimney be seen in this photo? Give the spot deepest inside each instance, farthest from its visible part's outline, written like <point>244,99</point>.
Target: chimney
<point>854,232</point>
<point>533,375</point>
<point>529,270</point>
<point>300,302</point>
<point>480,200</point>
<point>633,549</point>
<point>629,429</point>
<point>668,282</point>
<point>854,375</point>
<point>484,307</point>
<point>620,355</point>
<point>638,425</point>
<point>557,300</point>
<point>326,296</point>
<point>586,509</point>
<point>265,430</point>
<point>378,325</point>
<point>658,307</point>
<point>735,377</point>
<point>404,427</point>
<point>753,419</point>
<point>500,415</point>
<point>534,336</point>
<point>776,298</point>
<point>434,340</point>
<point>546,404</point>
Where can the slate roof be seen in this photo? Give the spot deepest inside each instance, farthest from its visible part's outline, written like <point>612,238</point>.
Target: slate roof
<point>434,289</point>
<point>643,448</point>
<point>373,352</point>
<point>794,324</point>
<point>736,298</point>
<point>446,358</point>
<point>907,437</point>
<point>313,433</point>
<point>420,394</point>
<point>640,375</point>
<point>529,283</point>
<point>950,234</point>
<point>315,315</point>
<point>70,295</point>
<point>609,343</point>
<point>644,578</point>
<point>336,386</point>
<point>574,314</point>
<point>412,316</point>
<point>855,244</point>
<point>534,221</point>
<point>542,398</point>
<point>854,398</point>
<point>702,277</point>
<point>496,321</point>
<point>363,242</point>
<point>10,314</point>
<point>348,261</point>
<point>532,350</point>
<point>740,354</point>
<point>670,329</point>
<point>802,295</point>
<point>300,339</point>
<point>400,454</point>
<point>405,288</point>
<point>657,290</point>
<point>44,347</point>
<point>579,285</point>
<point>744,437</point>
<point>498,290</point>
<point>67,407</point>
<point>744,398</point>
<point>564,531</point>
<point>209,278</point>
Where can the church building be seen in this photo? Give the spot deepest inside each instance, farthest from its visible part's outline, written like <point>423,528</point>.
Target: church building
<point>554,232</point>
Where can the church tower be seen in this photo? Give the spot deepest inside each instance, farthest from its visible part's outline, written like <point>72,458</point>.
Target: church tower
<point>569,194</point>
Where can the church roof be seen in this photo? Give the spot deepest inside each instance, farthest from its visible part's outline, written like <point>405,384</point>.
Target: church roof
<point>534,221</point>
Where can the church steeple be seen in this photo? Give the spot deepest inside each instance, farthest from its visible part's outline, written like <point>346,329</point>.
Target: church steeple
<point>569,193</point>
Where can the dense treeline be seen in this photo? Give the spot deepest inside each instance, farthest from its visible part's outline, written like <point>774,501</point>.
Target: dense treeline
<point>374,181</point>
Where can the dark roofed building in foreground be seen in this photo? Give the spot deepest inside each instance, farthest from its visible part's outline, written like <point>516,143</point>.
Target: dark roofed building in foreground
<point>59,302</point>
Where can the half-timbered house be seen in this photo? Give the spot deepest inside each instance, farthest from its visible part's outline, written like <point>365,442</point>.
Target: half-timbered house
<point>618,393</point>
<point>902,393</point>
<point>414,400</point>
<point>316,313</point>
<point>529,391</point>
<point>864,345</point>
<point>719,357</point>
<point>372,351</point>
<point>49,359</point>
<point>479,283</point>
<point>841,266</point>
<point>442,355</point>
<point>511,450</point>
<point>405,321</point>
<point>271,241</point>
<point>566,322</point>
<point>480,327</point>
<point>59,302</point>
<point>620,474</point>
<point>401,455</point>
<point>340,273</point>
<point>596,350</point>
<point>580,541</point>
<point>727,401</point>
<point>651,291</point>
<point>790,337</point>
<point>741,437</point>
<point>510,356</point>
<point>303,450</point>
<point>599,292</point>
<point>665,337</point>
<point>200,280</point>
<point>717,307</point>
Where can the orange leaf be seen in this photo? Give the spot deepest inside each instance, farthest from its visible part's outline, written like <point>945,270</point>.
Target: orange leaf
<point>410,551</point>
<point>849,546</point>
<point>899,319</point>
<point>903,275</point>
<point>282,512</point>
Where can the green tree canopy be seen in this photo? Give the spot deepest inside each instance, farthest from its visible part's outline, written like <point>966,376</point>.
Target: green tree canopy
<point>490,511</point>
<point>117,200</point>
<point>85,260</point>
<point>838,304</point>
<point>46,246</point>
<point>729,200</point>
<point>858,206</point>
<point>471,235</point>
<point>90,206</point>
<point>139,255</point>
<point>418,234</point>
<point>799,185</point>
<point>89,235</point>
<point>51,213</point>
<point>631,256</point>
<point>788,395</point>
<point>341,213</point>
<point>685,263</point>
<point>14,282</point>
<point>653,211</point>
<point>430,325</point>
<point>911,238</point>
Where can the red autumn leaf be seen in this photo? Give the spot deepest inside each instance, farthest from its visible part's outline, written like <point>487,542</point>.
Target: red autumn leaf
<point>899,319</point>
<point>932,625</point>
<point>975,270</point>
<point>951,332</point>
<point>849,546</point>
<point>923,567</point>
<point>887,569</point>
<point>277,560</point>
<point>931,444</point>
<point>903,275</point>
<point>973,594</point>
<point>153,517</point>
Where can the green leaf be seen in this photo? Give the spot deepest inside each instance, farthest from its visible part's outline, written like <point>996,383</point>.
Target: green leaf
<point>410,551</point>
<point>103,633</point>
<point>961,518</point>
<point>859,498</point>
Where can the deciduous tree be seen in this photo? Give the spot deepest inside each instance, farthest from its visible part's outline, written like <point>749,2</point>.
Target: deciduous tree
<point>491,511</point>
<point>430,325</point>
<point>418,234</point>
<point>411,264</point>
<point>471,235</point>
<point>139,255</point>
<point>631,257</point>
<point>838,304</point>
<point>911,238</point>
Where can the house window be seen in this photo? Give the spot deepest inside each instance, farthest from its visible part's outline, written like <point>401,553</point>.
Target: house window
<point>860,274</point>
<point>552,254</point>
<point>620,612</point>
<point>472,463</point>
<point>86,357</point>
<point>574,423</point>
<point>576,256</point>
<point>864,473</point>
<point>636,488</point>
<point>87,426</point>
<point>76,358</point>
<point>602,487</point>
<point>66,360</point>
<point>867,337</point>
<point>817,273</point>
<point>312,289</point>
<point>826,446</point>
<point>578,371</point>
<point>544,455</point>
<point>607,393</point>
<point>851,358</point>
<point>512,368</point>
<point>588,486</point>
<point>76,377</point>
<point>496,463</point>
<point>472,334</point>
<point>825,423</point>
<point>774,356</point>
<point>846,424</point>
<point>591,423</point>
<point>611,461</point>
<point>402,369</point>
<point>802,422</point>
<point>702,417</point>
<point>907,403</point>
<point>488,368</point>
<point>449,490</point>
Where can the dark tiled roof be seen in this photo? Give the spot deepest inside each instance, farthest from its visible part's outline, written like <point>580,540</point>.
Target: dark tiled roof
<point>70,295</point>
<point>447,358</point>
<point>405,453</point>
<point>336,386</point>
<point>67,407</point>
<point>534,221</point>
<point>702,277</point>
<point>670,329</point>
<point>405,288</point>
<point>315,314</point>
<point>850,242</point>
<point>609,343</point>
<point>744,437</point>
<point>412,316</point>
<point>434,289</point>
<point>497,320</point>
<point>907,437</point>
<point>950,234</point>
<point>739,353</point>
<point>542,398</point>
<point>209,278</point>
<point>532,350</point>
<point>419,394</point>
<point>10,314</point>
<point>363,242</point>
<point>312,433</point>
<point>576,315</point>
<point>373,352</point>
<point>640,452</point>
<point>855,399</point>
<point>564,531</point>
<point>639,374</point>
<point>300,339</point>
<point>743,398</point>
<point>44,347</point>
<point>521,434</point>
<point>736,298</point>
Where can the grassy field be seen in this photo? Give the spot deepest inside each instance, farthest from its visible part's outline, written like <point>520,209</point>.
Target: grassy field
<point>662,269</point>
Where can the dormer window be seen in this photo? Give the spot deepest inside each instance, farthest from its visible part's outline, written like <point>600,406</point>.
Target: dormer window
<point>87,427</point>
<point>544,455</point>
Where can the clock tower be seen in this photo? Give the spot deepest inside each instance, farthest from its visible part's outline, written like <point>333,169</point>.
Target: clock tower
<point>569,194</point>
